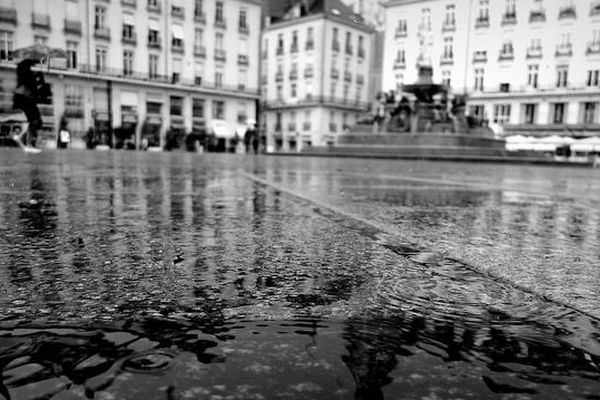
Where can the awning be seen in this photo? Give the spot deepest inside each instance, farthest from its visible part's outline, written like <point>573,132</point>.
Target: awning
<point>154,25</point>
<point>154,97</point>
<point>591,144</point>
<point>128,19</point>
<point>153,120</point>
<point>177,31</point>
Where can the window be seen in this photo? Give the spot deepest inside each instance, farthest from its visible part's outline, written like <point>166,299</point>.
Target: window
<point>335,44</point>
<point>450,20</point>
<point>72,54</point>
<point>592,79</point>
<point>588,112</point>
<point>279,92</point>
<point>425,19</point>
<point>197,108</point>
<point>153,38</point>
<point>511,10</point>
<point>177,40</point>
<point>348,43</point>
<point>153,108</point>
<point>6,45</point>
<point>39,39</point>
<point>176,66</point>
<point>127,62</point>
<point>219,41</point>
<point>153,66</point>
<point>218,109</point>
<point>448,48</point>
<point>243,24</point>
<point>176,105</point>
<point>361,50</point>
<point>198,73</point>
<point>294,48</point>
<point>310,41</point>
<point>401,56</point>
<point>101,54</point>
<point>219,12</point>
<point>333,89</point>
<point>558,113</point>
<point>483,18</point>
<point>128,31</point>
<point>279,44</point>
<point>532,75</point>
<point>198,36</point>
<point>501,113</point>
<point>218,79</point>
<point>242,79</point>
<point>346,91</point>
<point>477,111</point>
<point>100,18</point>
<point>562,76</point>
<point>402,28</point>
<point>198,8</point>
<point>478,79</point>
<point>507,50</point>
<point>446,80</point>
<point>529,113</point>
<point>399,82</point>
<point>73,100</point>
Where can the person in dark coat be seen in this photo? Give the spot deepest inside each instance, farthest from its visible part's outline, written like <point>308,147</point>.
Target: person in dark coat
<point>26,98</point>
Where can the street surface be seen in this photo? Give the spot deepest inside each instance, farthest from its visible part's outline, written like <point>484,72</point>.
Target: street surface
<point>127,275</point>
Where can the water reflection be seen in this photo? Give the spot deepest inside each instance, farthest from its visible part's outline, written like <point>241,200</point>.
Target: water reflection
<point>191,280</point>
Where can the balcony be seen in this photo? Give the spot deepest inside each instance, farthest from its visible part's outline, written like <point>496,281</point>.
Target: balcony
<point>306,126</point>
<point>347,76</point>
<point>221,23</point>
<point>335,74</point>
<point>399,63</point>
<point>199,16</point>
<point>595,9</point>
<point>480,57</point>
<point>220,55</point>
<point>509,19</point>
<point>244,29</point>
<point>506,56</point>
<point>102,33</point>
<point>567,13</point>
<point>449,25</point>
<point>537,16</point>
<point>447,59</point>
<point>153,7</point>
<point>177,12</point>
<point>72,27</point>
<point>129,39</point>
<point>279,77</point>
<point>401,33</point>
<point>309,72</point>
<point>293,75</point>
<point>335,45</point>
<point>242,59</point>
<point>177,47</point>
<point>154,43</point>
<point>593,48</point>
<point>482,22</point>
<point>534,52</point>
<point>564,50</point>
<point>199,50</point>
<point>40,21</point>
<point>291,127</point>
<point>360,79</point>
<point>8,15</point>
<point>310,45</point>
<point>129,3</point>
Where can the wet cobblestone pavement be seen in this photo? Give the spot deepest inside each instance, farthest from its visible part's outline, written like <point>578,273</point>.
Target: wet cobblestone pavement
<point>179,276</point>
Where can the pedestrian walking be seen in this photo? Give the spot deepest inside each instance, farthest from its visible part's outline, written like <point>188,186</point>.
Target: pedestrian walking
<point>31,89</point>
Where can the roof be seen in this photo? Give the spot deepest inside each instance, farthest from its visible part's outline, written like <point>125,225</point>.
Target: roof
<point>294,9</point>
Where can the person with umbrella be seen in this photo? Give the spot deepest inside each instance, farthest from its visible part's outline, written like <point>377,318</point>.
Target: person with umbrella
<point>31,87</point>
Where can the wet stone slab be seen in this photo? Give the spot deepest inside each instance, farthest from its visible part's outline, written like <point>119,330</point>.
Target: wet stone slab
<point>178,276</point>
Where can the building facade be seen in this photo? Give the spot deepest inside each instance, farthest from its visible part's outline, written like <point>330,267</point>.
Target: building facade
<point>138,71</point>
<point>315,75</point>
<point>528,66</point>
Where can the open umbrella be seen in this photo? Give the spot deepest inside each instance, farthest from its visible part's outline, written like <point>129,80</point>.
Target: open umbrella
<point>40,52</point>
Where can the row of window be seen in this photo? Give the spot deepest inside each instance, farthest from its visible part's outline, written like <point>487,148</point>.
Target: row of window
<point>537,14</point>
<point>293,126</point>
<point>177,10</point>
<point>309,92</point>
<point>588,112</point>
<point>310,43</point>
